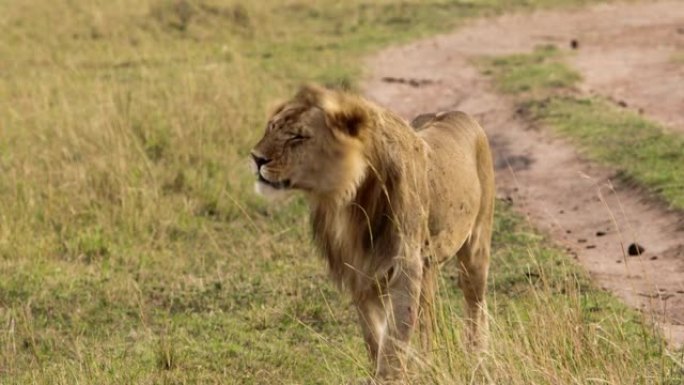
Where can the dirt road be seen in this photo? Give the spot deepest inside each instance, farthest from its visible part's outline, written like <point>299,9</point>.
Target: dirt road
<point>624,52</point>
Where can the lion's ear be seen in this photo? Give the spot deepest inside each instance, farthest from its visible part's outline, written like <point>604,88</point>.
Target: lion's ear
<point>343,112</point>
<point>348,115</point>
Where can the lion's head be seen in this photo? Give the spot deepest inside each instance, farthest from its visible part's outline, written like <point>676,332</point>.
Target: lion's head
<point>312,143</point>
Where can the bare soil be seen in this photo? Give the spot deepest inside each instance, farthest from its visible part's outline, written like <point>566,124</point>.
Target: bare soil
<point>624,51</point>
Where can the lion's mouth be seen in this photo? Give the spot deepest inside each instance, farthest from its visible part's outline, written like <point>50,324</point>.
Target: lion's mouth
<point>280,185</point>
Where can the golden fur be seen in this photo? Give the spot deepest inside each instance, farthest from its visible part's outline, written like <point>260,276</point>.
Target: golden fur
<point>389,203</point>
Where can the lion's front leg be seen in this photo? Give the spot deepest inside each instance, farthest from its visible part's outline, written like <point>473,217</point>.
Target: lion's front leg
<point>372,321</point>
<point>401,301</point>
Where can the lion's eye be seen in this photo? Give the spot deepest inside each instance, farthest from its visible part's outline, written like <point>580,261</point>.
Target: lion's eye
<point>294,137</point>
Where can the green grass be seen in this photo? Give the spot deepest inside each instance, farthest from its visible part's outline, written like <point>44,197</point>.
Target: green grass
<point>643,151</point>
<point>133,250</point>
<point>535,72</point>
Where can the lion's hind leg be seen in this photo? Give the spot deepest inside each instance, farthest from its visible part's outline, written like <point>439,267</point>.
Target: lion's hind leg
<point>473,260</point>
<point>473,257</point>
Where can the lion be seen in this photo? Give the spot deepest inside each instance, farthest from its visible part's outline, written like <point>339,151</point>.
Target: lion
<point>389,203</point>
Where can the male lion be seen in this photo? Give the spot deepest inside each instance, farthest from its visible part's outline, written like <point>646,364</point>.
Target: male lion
<point>388,204</point>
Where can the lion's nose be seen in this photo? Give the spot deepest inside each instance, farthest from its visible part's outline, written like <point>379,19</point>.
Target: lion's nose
<point>259,160</point>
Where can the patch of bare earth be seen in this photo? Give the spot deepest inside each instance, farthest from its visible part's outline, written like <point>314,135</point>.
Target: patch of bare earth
<point>571,199</point>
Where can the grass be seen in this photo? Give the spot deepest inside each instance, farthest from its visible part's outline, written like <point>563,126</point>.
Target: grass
<point>535,72</point>
<point>549,323</point>
<point>643,151</point>
<point>132,249</point>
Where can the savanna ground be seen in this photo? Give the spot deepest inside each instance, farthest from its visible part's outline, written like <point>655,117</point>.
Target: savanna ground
<point>133,250</point>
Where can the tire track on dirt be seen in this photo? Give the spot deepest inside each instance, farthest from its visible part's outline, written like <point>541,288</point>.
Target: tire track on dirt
<point>573,200</point>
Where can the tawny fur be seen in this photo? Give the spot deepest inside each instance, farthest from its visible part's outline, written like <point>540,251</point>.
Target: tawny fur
<point>389,204</point>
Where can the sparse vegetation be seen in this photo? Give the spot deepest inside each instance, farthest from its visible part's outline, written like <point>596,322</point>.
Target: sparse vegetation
<point>642,150</point>
<point>132,249</point>
<point>534,73</point>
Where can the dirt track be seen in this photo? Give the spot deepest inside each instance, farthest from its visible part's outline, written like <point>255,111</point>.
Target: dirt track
<point>625,52</point>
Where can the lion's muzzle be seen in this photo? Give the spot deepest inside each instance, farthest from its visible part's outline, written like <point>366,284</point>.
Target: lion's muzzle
<point>258,163</point>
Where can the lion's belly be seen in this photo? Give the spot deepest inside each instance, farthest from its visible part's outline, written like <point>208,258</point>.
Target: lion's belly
<point>454,188</point>
<point>451,222</point>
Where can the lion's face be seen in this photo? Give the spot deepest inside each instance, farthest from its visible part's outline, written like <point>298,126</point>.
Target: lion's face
<point>302,150</point>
